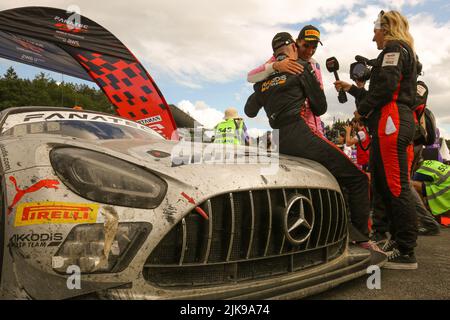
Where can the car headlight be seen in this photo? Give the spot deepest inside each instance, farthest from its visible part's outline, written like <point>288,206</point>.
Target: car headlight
<point>85,247</point>
<point>106,179</point>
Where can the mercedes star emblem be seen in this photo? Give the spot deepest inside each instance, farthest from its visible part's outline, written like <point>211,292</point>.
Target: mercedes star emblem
<point>298,220</point>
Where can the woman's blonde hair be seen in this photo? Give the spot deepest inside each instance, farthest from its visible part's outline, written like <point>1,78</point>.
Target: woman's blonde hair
<point>396,27</point>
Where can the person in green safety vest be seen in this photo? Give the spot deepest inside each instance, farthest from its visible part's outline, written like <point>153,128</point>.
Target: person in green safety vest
<point>232,129</point>
<point>432,180</point>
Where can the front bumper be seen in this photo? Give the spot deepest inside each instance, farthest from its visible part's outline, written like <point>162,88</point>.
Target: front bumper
<point>351,265</point>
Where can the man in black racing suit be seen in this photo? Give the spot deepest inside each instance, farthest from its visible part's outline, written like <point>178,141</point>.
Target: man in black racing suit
<point>284,97</point>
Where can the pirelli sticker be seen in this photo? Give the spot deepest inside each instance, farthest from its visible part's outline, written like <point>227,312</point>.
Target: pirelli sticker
<point>314,33</point>
<point>34,213</point>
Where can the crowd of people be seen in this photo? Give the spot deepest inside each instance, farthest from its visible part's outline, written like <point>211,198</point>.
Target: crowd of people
<point>392,194</point>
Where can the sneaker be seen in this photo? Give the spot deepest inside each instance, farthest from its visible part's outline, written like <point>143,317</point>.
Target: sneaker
<point>379,237</point>
<point>399,261</point>
<point>427,232</point>
<point>388,246</point>
<point>371,245</point>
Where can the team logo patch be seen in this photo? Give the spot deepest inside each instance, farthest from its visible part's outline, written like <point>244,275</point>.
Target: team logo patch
<point>421,90</point>
<point>34,213</point>
<point>390,59</point>
<point>273,82</point>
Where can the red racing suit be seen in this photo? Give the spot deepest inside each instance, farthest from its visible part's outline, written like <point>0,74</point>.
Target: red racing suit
<point>362,149</point>
<point>388,105</point>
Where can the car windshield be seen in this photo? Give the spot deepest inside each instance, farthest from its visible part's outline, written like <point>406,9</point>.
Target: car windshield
<point>90,127</point>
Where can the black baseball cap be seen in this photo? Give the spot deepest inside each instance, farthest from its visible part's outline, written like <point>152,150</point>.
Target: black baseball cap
<point>310,33</point>
<point>281,39</point>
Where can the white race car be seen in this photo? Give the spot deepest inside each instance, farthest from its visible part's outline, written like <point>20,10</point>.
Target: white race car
<point>97,205</point>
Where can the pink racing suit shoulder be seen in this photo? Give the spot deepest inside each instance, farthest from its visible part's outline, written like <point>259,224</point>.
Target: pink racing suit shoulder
<point>262,72</point>
<point>313,121</point>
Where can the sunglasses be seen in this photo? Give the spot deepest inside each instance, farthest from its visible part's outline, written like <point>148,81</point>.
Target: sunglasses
<point>309,45</point>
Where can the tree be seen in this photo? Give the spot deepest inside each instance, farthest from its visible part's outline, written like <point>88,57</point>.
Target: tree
<point>10,89</point>
<point>11,74</point>
<point>45,91</point>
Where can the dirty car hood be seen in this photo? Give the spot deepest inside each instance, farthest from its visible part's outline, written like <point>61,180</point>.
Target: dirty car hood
<point>190,162</point>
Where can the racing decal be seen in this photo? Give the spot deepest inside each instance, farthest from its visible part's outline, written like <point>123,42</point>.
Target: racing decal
<point>28,45</point>
<point>147,121</point>
<point>33,240</point>
<point>390,59</point>
<point>5,158</point>
<point>68,25</point>
<point>47,183</point>
<point>34,213</point>
<point>33,117</point>
<point>198,209</point>
<point>64,27</point>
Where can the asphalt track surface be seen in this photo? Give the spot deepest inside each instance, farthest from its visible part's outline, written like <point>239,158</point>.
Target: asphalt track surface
<point>430,281</point>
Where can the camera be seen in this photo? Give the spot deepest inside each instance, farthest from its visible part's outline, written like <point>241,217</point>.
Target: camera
<point>361,69</point>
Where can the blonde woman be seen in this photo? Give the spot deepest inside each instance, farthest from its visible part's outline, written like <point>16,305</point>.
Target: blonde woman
<point>387,106</point>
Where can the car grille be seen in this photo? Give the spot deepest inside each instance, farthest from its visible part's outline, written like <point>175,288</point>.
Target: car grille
<point>243,239</point>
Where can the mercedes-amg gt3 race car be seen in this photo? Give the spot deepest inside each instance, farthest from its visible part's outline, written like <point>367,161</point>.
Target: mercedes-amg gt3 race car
<point>97,205</point>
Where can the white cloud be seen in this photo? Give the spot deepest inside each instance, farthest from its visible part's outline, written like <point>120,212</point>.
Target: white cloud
<point>198,41</point>
<point>330,27</point>
<point>201,112</point>
<point>258,123</point>
<point>209,117</point>
<point>398,4</point>
<point>444,132</point>
<point>201,42</point>
<point>245,90</point>
<point>254,132</point>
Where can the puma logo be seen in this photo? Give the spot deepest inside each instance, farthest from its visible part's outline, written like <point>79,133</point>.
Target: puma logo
<point>49,184</point>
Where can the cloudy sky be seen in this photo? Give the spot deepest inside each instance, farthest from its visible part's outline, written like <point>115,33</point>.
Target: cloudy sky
<point>199,51</point>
